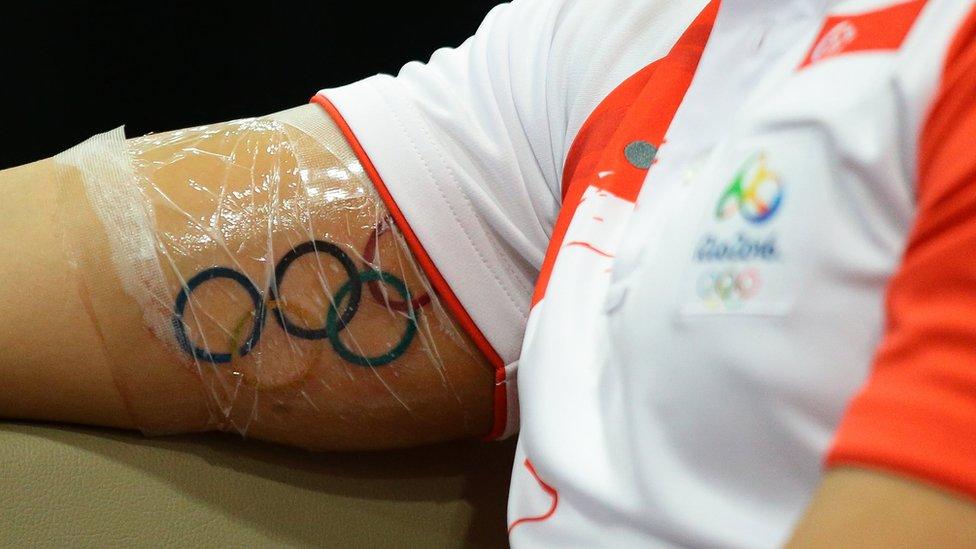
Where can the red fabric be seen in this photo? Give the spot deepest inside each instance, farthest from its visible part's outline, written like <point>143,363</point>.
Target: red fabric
<point>437,281</point>
<point>878,30</point>
<point>917,413</point>
<point>640,109</point>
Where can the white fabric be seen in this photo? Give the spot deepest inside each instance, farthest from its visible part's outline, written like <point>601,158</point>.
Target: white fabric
<point>471,144</point>
<point>659,417</point>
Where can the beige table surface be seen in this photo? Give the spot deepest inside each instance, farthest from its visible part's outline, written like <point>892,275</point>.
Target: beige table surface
<point>66,486</point>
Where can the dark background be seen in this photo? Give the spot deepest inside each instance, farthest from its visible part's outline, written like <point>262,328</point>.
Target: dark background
<point>70,70</point>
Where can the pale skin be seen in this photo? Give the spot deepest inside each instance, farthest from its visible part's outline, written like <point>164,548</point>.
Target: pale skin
<point>55,367</point>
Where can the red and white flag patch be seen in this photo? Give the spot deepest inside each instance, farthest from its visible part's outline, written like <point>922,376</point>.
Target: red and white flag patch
<point>879,30</point>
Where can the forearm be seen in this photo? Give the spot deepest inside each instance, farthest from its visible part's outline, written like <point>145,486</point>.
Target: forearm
<point>264,303</point>
<point>52,366</point>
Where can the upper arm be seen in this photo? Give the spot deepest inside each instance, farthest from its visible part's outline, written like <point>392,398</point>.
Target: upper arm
<point>205,295</point>
<point>241,276</point>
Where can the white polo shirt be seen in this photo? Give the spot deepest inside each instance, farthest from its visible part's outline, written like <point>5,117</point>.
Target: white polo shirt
<point>695,229</point>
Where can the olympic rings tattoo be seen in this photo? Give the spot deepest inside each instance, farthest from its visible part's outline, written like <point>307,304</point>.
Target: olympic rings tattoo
<point>350,293</point>
<point>369,253</point>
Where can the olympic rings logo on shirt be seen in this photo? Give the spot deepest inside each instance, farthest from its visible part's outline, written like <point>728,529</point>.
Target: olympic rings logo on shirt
<point>344,305</point>
<point>729,288</point>
<point>755,193</point>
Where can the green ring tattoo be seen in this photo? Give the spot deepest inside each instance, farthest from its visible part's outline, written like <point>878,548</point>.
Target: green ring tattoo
<point>333,327</point>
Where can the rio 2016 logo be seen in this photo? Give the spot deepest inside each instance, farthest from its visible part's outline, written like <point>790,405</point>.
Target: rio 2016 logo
<point>755,193</point>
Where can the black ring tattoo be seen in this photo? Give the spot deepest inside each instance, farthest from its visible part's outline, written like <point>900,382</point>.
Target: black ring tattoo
<point>355,291</point>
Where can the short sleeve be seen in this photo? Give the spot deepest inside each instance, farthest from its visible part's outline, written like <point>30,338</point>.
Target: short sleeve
<point>916,415</point>
<point>469,149</point>
<point>464,153</point>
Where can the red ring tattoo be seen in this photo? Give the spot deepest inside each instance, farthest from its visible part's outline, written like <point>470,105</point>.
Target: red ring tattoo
<point>369,253</point>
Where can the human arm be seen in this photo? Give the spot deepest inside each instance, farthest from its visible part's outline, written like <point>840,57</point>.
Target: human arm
<point>53,368</point>
<point>238,196</point>
<point>858,507</point>
<point>465,151</point>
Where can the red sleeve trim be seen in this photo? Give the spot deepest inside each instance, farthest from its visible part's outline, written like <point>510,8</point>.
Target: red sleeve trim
<point>440,285</point>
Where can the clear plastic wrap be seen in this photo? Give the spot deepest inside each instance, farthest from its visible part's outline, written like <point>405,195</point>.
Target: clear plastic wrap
<point>246,277</point>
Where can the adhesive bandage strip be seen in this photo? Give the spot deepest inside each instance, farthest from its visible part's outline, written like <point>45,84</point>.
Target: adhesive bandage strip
<point>246,277</point>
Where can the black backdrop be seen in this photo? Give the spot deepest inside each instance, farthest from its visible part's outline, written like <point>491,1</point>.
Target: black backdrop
<point>72,69</point>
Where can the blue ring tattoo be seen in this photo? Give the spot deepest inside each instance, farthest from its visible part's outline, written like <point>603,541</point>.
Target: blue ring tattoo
<point>179,325</point>
<point>355,292</point>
